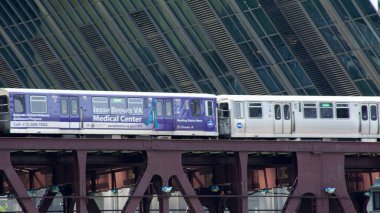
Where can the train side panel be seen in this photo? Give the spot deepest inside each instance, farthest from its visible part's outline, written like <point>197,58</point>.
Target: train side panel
<point>39,113</point>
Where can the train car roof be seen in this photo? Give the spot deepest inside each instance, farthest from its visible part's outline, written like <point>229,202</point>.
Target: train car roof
<point>94,92</point>
<point>285,98</point>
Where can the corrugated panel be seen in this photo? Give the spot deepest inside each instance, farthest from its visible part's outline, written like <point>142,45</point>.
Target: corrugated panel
<point>107,58</point>
<point>53,63</point>
<point>246,74</point>
<point>297,48</point>
<point>9,76</point>
<point>151,34</point>
<point>317,48</point>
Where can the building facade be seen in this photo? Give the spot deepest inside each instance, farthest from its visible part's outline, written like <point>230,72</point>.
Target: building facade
<point>288,47</point>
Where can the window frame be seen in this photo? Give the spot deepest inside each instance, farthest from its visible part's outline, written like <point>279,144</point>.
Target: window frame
<point>241,109</point>
<point>141,102</point>
<point>339,106</point>
<point>107,102</point>
<point>159,108</point>
<point>196,107</point>
<point>309,105</point>
<point>168,109</point>
<point>325,107</point>
<point>207,108</point>
<point>61,103</point>
<point>110,105</point>
<point>22,102</point>
<point>253,106</point>
<point>45,105</point>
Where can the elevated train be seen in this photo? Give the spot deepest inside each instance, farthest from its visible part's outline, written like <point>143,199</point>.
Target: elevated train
<point>71,112</point>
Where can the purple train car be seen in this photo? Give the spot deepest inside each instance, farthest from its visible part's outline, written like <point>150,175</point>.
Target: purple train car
<point>43,111</point>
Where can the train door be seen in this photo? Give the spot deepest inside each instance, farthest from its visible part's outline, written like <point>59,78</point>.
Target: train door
<point>282,118</point>
<point>369,119</point>
<point>164,114</point>
<point>70,113</point>
<point>238,124</point>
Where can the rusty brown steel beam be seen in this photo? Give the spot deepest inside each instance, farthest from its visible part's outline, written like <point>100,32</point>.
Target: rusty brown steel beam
<point>187,145</point>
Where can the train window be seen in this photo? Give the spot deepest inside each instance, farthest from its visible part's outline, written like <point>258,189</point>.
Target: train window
<point>118,106</point>
<point>38,104</point>
<point>277,112</point>
<point>74,106</point>
<point>159,108</point>
<point>309,110</point>
<point>364,113</point>
<point>100,105</point>
<point>135,106</point>
<point>326,110</point>
<point>224,111</point>
<point>187,105</point>
<point>209,108</point>
<point>255,110</point>
<point>373,113</point>
<point>168,109</point>
<point>19,101</point>
<point>3,103</point>
<point>342,111</point>
<point>195,107</point>
<point>287,112</point>
<point>64,107</point>
<point>238,108</point>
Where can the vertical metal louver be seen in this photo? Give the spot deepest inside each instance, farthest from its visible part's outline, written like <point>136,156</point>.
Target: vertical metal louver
<point>9,76</point>
<point>297,48</point>
<point>163,51</point>
<point>107,58</point>
<point>314,44</point>
<point>53,63</point>
<point>246,74</point>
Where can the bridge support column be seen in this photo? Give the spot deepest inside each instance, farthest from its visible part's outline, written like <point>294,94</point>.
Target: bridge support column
<point>316,171</point>
<point>22,196</point>
<point>239,184</point>
<point>80,158</point>
<point>165,164</point>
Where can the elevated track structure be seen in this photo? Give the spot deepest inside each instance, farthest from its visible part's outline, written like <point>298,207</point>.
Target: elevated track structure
<point>313,165</point>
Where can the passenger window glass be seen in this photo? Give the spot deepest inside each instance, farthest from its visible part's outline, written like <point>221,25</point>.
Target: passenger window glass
<point>38,104</point>
<point>287,112</point>
<point>118,106</point>
<point>364,113</point>
<point>209,108</point>
<point>159,108</point>
<point>195,107</point>
<point>100,105</point>
<point>74,107</point>
<point>255,110</point>
<point>277,111</point>
<point>3,103</point>
<point>224,111</point>
<point>136,106</point>
<point>326,110</point>
<point>238,109</point>
<point>168,108</point>
<point>64,107</point>
<point>310,110</point>
<point>373,113</point>
<point>342,111</point>
<point>19,102</point>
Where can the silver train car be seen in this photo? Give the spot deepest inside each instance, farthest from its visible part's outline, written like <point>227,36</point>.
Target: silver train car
<point>299,117</point>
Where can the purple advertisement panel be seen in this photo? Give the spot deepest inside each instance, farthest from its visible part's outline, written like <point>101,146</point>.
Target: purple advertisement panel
<point>121,113</point>
<point>85,112</point>
<point>195,114</point>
